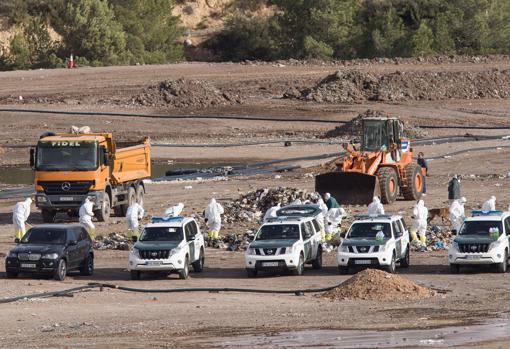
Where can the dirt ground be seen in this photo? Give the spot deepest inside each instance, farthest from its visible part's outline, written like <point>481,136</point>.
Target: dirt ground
<point>113,318</point>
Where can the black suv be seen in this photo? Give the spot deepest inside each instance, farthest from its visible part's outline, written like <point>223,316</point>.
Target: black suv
<point>52,249</point>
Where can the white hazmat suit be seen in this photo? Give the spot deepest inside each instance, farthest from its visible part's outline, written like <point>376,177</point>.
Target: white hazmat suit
<point>457,214</point>
<point>86,213</point>
<point>271,212</point>
<point>420,214</point>
<point>375,207</point>
<point>333,222</point>
<point>134,213</point>
<point>174,211</point>
<point>213,214</point>
<point>20,214</point>
<point>489,205</point>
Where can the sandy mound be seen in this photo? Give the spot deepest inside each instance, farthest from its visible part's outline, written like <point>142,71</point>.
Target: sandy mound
<point>353,127</point>
<point>372,284</point>
<point>355,86</point>
<point>183,93</point>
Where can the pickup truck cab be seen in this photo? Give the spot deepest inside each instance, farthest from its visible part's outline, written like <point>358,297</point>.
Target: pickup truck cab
<point>287,242</point>
<point>375,241</point>
<point>168,244</point>
<point>482,239</point>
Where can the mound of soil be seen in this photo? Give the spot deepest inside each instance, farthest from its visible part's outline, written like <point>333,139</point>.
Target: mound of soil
<point>353,127</point>
<point>353,86</point>
<point>183,93</point>
<point>377,285</point>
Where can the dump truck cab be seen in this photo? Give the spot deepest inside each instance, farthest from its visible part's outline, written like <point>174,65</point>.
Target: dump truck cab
<point>72,167</point>
<point>382,166</point>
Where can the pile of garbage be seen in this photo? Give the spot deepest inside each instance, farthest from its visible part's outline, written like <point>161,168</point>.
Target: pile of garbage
<point>353,128</point>
<point>355,86</point>
<point>184,93</point>
<point>437,239</point>
<point>252,206</point>
<point>378,285</point>
<point>113,241</point>
<point>231,242</point>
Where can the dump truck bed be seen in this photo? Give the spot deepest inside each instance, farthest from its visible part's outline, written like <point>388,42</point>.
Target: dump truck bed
<point>131,163</point>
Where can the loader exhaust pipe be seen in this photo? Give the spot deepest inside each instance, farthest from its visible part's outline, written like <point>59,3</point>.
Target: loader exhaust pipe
<point>348,188</point>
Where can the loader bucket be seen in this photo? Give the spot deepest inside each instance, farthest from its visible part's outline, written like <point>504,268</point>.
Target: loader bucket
<point>348,188</point>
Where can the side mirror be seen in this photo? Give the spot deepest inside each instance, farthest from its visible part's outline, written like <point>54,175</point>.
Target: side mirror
<point>106,157</point>
<point>73,243</point>
<point>32,157</point>
<point>17,240</point>
<point>191,238</point>
<point>134,238</point>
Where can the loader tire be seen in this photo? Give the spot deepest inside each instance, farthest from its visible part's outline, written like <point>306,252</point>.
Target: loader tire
<point>414,183</point>
<point>388,182</point>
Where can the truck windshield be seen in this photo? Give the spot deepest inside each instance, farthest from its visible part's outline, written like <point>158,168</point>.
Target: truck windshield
<point>374,135</point>
<point>279,232</point>
<point>44,236</point>
<point>162,234</point>
<point>482,228</point>
<point>67,156</point>
<point>369,230</point>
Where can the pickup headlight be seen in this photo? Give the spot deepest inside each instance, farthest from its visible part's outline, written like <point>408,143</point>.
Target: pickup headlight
<point>344,248</point>
<point>174,251</point>
<point>135,252</point>
<point>289,250</point>
<point>12,255</point>
<point>50,256</point>
<point>495,244</point>
<point>454,245</point>
<point>250,251</point>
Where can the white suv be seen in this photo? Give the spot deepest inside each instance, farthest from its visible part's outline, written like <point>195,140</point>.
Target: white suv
<point>287,242</point>
<point>482,239</point>
<point>168,244</point>
<point>375,241</point>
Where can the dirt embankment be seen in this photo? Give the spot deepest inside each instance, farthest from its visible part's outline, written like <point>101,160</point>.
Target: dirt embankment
<point>356,86</point>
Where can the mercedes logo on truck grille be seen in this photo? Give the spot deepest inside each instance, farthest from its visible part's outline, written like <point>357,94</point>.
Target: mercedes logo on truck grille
<point>66,186</point>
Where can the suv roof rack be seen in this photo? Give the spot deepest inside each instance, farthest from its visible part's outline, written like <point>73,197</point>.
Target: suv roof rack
<point>285,218</point>
<point>369,216</point>
<point>478,213</point>
<point>166,219</point>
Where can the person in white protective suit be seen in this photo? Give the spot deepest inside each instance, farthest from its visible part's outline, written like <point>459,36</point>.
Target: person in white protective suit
<point>174,211</point>
<point>212,215</point>
<point>419,226</point>
<point>296,202</point>
<point>375,207</point>
<point>333,222</point>
<point>20,213</point>
<point>457,214</point>
<point>134,213</point>
<point>86,213</point>
<point>489,205</point>
<point>321,218</point>
<point>271,212</point>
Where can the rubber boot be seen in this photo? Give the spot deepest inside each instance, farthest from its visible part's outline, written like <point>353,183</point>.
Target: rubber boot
<point>323,235</point>
<point>423,240</point>
<point>92,234</point>
<point>216,234</point>
<point>18,234</point>
<point>414,237</point>
<point>328,237</point>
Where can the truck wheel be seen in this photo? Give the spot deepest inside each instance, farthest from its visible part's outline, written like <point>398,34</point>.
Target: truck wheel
<point>388,182</point>
<point>119,211</point>
<point>135,275</point>
<point>343,270</point>
<point>48,216</point>
<point>139,194</point>
<point>198,265</point>
<point>103,214</point>
<point>301,266</point>
<point>317,263</point>
<point>130,199</point>
<point>87,267</point>
<point>184,273</point>
<point>404,262</point>
<point>414,183</point>
<point>392,267</point>
<point>501,267</point>
<point>61,271</point>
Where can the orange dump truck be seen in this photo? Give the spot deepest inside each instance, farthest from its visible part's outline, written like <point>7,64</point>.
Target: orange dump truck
<point>71,167</point>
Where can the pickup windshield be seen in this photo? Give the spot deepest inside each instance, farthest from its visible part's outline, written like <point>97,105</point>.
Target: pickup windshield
<point>279,232</point>
<point>368,230</point>
<point>482,228</point>
<point>44,236</point>
<point>162,234</point>
<point>67,156</point>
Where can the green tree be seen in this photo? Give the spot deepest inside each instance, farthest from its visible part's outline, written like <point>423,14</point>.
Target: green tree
<point>39,42</point>
<point>422,41</point>
<point>443,41</point>
<point>89,30</point>
<point>19,53</point>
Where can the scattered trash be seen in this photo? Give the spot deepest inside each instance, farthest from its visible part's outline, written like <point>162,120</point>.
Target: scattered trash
<point>113,241</point>
<point>188,187</point>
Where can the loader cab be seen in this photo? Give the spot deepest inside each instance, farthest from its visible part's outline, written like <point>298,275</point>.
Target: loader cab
<point>380,133</point>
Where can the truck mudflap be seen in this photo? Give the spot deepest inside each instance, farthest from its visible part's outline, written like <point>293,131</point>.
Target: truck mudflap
<point>348,188</point>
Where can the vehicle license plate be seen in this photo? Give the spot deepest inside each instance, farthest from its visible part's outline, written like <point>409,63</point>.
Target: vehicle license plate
<point>473,257</point>
<point>363,261</point>
<point>153,263</point>
<point>28,265</point>
<point>66,198</point>
<point>270,264</point>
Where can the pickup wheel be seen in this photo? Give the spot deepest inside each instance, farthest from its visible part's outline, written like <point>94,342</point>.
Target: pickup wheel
<point>61,271</point>
<point>135,275</point>
<point>317,263</point>
<point>198,266</point>
<point>103,214</point>
<point>454,268</point>
<point>184,273</point>
<point>48,216</point>
<point>501,267</point>
<point>405,261</point>
<point>343,270</point>
<point>392,267</point>
<point>301,265</point>
<point>87,267</point>
<point>251,273</point>
<point>11,274</point>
